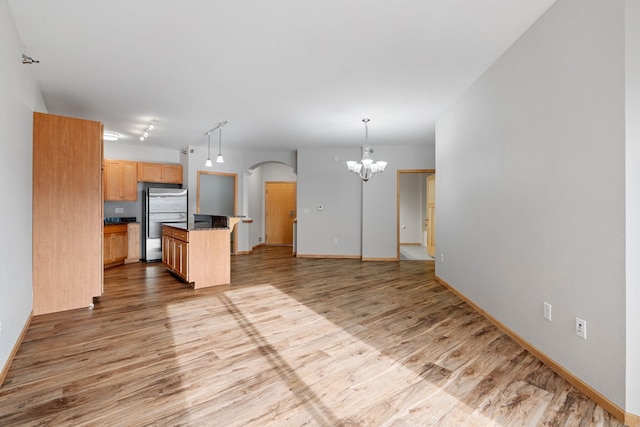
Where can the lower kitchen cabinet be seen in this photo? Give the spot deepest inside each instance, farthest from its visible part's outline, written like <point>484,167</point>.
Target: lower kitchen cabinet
<point>175,254</point>
<point>133,242</point>
<point>200,257</point>
<point>115,244</point>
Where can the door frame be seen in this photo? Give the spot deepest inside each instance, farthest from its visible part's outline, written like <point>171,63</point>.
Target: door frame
<point>266,231</point>
<point>234,234</point>
<point>398,172</point>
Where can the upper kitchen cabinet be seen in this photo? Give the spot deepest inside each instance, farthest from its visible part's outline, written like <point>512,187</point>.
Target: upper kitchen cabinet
<point>120,180</point>
<point>157,172</point>
<point>67,213</point>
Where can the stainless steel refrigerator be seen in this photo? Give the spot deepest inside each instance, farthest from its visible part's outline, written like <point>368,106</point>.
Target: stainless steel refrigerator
<point>162,205</point>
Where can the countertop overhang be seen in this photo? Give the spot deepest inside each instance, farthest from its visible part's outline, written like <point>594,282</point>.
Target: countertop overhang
<point>199,226</point>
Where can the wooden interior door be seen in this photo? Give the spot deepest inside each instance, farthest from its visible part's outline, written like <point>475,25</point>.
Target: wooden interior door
<point>280,211</point>
<point>431,215</point>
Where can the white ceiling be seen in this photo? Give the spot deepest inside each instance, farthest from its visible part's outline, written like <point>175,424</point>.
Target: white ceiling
<point>284,73</point>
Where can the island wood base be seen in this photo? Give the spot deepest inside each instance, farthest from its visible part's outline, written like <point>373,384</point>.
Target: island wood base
<point>199,257</point>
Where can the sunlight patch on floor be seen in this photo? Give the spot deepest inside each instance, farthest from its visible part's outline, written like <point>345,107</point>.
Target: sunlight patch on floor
<point>328,373</point>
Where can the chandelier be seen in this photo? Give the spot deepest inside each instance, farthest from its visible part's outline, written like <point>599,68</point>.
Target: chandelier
<point>367,167</point>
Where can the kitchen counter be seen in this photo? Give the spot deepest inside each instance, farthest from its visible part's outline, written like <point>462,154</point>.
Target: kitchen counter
<point>192,226</point>
<point>113,220</point>
<point>196,226</point>
<point>121,243</point>
<point>198,253</point>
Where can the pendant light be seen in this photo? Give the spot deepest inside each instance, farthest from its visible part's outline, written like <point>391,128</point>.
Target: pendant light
<point>219,159</point>
<point>208,163</point>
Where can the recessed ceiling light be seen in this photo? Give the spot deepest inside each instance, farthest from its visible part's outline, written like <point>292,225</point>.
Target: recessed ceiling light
<point>111,136</point>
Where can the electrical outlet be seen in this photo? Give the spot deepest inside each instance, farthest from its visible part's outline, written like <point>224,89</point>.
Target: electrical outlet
<point>547,311</point>
<point>259,239</point>
<point>119,210</point>
<point>581,328</point>
<point>335,240</point>
<point>441,257</point>
<point>0,326</point>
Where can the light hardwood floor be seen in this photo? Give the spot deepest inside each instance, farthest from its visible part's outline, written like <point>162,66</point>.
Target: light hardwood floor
<point>291,342</point>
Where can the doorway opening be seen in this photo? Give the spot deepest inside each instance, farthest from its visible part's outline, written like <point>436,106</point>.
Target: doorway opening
<point>254,197</point>
<point>217,194</point>
<point>415,214</point>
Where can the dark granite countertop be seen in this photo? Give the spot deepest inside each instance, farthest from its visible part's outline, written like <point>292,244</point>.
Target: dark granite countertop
<point>119,220</point>
<point>191,226</point>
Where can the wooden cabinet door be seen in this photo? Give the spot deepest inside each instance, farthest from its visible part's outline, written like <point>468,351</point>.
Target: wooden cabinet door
<point>149,172</point>
<point>133,242</point>
<point>120,180</point>
<point>158,172</point>
<point>111,180</point>
<point>182,259</point>
<point>129,183</point>
<point>107,256</point>
<point>165,249</point>
<point>171,252</point>
<point>172,174</point>
<point>119,245</point>
<point>116,244</point>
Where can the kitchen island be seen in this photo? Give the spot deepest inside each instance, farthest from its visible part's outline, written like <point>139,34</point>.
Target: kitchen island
<point>198,254</point>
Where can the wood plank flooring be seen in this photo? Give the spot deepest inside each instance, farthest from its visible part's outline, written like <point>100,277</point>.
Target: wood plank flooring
<point>291,342</point>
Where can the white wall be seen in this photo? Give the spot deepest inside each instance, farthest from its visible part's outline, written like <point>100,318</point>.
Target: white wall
<point>632,46</point>
<point>140,152</point>
<point>255,208</point>
<point>233,164</point>
<point>20,98</point>
<point>323,181</point>
<point>531,190</point>
<point>379,198</point>
<point>360,215</point>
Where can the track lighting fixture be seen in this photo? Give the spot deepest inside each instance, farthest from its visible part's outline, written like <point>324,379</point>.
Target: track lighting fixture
<point>145,132</point>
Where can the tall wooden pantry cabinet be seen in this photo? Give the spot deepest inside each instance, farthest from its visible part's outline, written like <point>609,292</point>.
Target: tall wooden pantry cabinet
<point>67,213</point>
